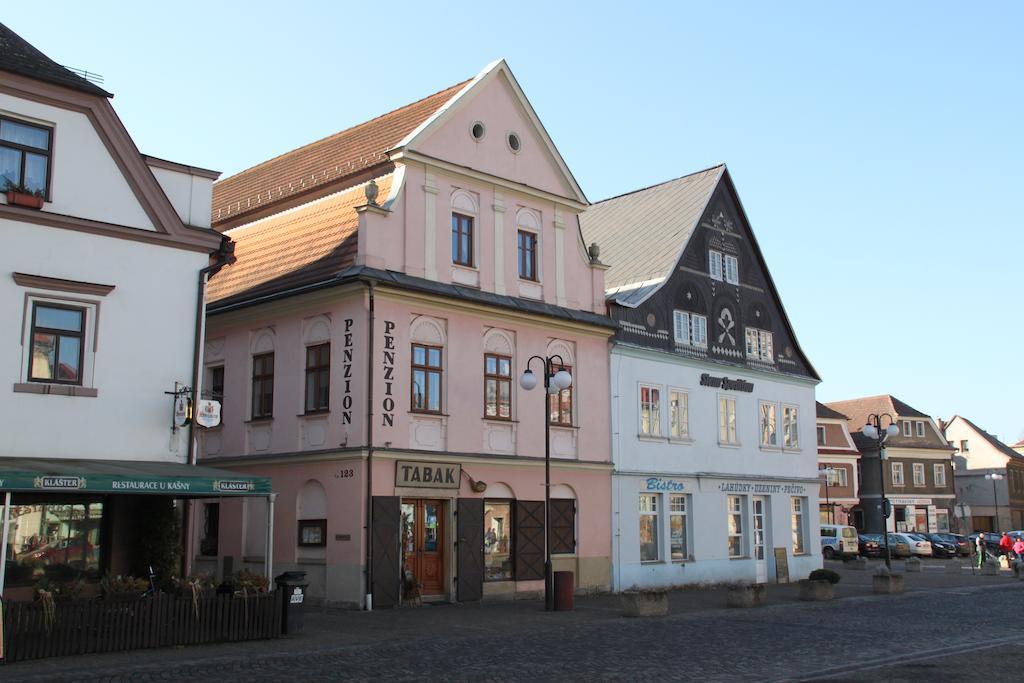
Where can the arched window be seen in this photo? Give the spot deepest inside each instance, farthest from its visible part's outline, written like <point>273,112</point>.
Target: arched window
<point>561,410</point>
<point>498,372</point>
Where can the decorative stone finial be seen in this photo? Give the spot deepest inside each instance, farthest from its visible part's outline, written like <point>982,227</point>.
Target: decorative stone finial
<point>371,191</point>
<point>595,252</point>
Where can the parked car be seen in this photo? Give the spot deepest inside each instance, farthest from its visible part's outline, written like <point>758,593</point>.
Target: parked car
<point>945,545</point>
<point>898,547</point>
<point>838,540</point>
<point>919,545</point>
<point>870,545</point>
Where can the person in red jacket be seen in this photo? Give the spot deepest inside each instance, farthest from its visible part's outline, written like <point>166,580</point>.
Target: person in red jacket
<point>1006,544</point>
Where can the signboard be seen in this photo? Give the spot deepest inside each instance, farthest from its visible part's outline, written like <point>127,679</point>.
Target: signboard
<point>659,484</point>
<point>744,487</point>
<point>133,483</point>
<point>182,411</point>
<point>208,413</point>
<point>911,501</point>
<point>707,380</point>
<point>296,597</point>
<point>430,475</point>
<point>781,566</point>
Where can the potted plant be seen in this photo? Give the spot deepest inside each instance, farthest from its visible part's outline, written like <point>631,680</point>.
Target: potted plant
<point>18,194</point>
<point>746,595</point>
<point>644,602</point>
<point>122,587</point>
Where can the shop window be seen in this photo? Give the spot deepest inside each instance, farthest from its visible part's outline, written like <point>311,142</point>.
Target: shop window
<point>650,410</point>
<point>263,385</point>
<point>649,527</point>
<point>727,433</point>
<point>427,373</point>
<point>678,506</point>
<point>54,541</point>
<point>679,414</point>
<point>24,157</point>
<point>737,542</point>
<point>318,378</point>
<point>942,521</point>
<point>498,535</point>
<point>497,387</point>
<point>799,523</point>
<point>312,532</point>
<point>208,542</point>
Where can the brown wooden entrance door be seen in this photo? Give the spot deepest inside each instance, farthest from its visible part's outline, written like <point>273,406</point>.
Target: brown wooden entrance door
<point>423,544</point>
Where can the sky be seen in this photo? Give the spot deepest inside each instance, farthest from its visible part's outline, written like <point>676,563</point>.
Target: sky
<point>875,146</point>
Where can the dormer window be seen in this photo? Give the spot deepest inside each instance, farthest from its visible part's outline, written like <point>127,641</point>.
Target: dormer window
<point>715,264</point>
<point>919,425</point>
<point>759,345</point>
<point>906,428</point>
<point>24,157</point>
<point>691,329</point>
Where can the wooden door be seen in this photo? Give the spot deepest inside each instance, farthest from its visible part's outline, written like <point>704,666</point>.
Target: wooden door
<point>469,578</point>
<point>384,558</point>
<point>423,544</point>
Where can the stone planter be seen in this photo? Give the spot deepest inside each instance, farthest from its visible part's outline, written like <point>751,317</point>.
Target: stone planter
<point>747,595</point>
<point>644,603</point>
<point>859,563</point>
<point>816,591</point>
<point>914,564</point>
<point>887,584</point>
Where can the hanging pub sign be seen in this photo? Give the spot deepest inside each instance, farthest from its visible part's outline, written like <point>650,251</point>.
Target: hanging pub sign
<point>182,411</point>
<point>208,413</point>
<point>432,475</point>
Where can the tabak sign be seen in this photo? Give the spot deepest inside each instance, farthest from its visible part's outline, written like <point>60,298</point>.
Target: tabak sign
<point>431,475</point>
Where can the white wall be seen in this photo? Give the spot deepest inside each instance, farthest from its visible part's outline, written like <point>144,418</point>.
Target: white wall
<point>190,195</point>
<point>145,336</point>
<point>85,181</point>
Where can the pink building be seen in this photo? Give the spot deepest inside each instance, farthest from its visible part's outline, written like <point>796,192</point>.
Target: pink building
<point>392,282</point>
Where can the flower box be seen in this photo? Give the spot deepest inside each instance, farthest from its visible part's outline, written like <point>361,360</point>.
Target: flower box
<point>747,595</point>
<point>816,590</point>
<point>24,199</point>
<point>645,603</point>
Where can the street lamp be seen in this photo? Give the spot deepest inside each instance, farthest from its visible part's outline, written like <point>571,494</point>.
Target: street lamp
<point>828,472</point>
<point>994,477</point>
<point>873,430</point>
<point>554,382</point>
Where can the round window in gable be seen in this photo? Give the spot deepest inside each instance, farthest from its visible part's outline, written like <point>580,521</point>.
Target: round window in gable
<point>478,131</point>
<point>513,143</point>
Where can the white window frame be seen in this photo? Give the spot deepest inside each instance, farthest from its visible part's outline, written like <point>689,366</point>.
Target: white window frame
<point>715,264</point>
<point>939,472</point>
<point>685,514</point>
<point>798,522</point>
<point>655,512</point>
<point>736,510</point>
<point>790,427</point>
<point>727,436</point>
<point>919,425</point>
<point>897,480</point>
<point>732,269</point>
<point>906,428</point>
<point>918,467</point>
<point>768,440</point>
<point>832,475</point>
<point>822,435</point>
<point>695,332</point>
<point>678,414</point>
<point>760,345</point>
<point>654,414</point>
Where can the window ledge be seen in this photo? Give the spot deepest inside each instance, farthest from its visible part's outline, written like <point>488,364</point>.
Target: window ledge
<point>723,444</point>
<point>683,563</point>
<point>803,554</point>
<point>259,420</point>
<point>497,420</point>
<point>556,425</point>
<point>768,448</point>
<point>790,449</point>
<point>651,437</point>
<point>315,413</point>
<point>423,413</point>
<point>652,562</point>
<point>681,442</point>
<point>55,389</point>
<point>739,557</point>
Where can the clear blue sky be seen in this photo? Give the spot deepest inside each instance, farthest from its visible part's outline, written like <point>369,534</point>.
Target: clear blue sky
<point>876,146</point>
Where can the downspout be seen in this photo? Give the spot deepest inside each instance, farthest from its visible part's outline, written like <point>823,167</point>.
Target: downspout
<point>225,255</point>
<point>369,450</point>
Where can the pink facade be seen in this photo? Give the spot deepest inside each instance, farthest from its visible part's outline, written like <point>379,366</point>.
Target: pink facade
<point>441,419</point>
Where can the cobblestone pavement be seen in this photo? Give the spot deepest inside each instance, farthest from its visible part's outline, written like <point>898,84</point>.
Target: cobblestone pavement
<point>933,632</point>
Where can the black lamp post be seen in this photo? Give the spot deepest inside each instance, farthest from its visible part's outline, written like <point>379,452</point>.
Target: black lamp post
<point>554,382</point>
<point>828,471</point>
<point>994,477</point>
<point>873,430</point>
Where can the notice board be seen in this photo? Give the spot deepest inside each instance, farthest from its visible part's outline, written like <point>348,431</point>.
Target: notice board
<point>781,566</point>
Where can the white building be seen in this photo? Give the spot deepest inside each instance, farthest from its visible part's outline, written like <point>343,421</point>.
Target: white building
<point>713,410</point>
<point>102,260</point>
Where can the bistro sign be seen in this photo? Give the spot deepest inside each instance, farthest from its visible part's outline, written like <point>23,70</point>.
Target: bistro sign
<point>659,484</point>
<point>707,380</point>
<point>431,475</point>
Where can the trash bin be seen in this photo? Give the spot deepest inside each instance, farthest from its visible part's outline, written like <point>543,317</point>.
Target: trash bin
<point>291,586</point>
<point>565,587</point>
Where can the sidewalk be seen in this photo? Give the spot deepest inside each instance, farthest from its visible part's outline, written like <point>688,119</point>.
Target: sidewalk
<point>333,630</point>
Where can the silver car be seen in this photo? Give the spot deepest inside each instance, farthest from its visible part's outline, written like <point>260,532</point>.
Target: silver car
<point>919,545</point>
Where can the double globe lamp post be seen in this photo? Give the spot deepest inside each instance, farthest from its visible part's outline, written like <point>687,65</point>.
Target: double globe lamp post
<point>994,477</point>
<point>555,381</point>
<point>873,430</point>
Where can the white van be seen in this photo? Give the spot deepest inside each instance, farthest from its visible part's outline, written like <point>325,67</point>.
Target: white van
<point>838,540</point>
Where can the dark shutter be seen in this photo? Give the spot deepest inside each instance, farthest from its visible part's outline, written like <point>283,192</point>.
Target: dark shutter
<point>563,525</point>
<point>384,562</point>
<point>470,550</point>
<point>529,540</point>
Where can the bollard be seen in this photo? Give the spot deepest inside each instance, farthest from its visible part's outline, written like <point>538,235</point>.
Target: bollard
<point>859,564</point>
<point>914,564</point>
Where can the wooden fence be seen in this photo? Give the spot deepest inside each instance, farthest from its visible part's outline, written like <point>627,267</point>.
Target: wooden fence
<point>86,626</point>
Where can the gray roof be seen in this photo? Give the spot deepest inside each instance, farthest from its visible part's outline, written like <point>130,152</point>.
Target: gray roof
<point>642,234</point>
<point>18,56</point>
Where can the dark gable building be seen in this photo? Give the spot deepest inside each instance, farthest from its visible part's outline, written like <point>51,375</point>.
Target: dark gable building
<point>917,470</point>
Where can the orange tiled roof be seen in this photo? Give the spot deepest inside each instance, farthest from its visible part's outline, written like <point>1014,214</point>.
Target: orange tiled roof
<point>308,244</point>
<point>318,163</point>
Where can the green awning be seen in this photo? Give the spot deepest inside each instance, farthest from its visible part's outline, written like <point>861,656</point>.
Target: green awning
<point>126,476</point>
